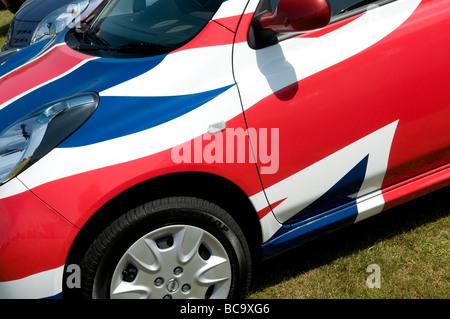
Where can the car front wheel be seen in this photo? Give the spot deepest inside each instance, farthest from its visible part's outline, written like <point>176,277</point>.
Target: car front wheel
<point>178,247</point>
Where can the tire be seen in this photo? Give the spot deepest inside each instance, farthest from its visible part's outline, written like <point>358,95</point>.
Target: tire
<point>177,247</point>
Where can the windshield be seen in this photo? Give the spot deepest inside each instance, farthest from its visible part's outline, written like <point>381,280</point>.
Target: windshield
<point>162,22</point>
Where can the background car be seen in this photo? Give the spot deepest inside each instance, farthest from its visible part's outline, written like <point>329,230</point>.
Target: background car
<point>12,5</point>
<point>28,18</point>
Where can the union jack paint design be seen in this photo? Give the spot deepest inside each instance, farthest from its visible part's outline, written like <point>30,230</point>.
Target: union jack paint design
<point>343,147</point>
<point>347,143</point>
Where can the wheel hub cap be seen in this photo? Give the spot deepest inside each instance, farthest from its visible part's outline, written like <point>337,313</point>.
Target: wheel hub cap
<point>178,261</point>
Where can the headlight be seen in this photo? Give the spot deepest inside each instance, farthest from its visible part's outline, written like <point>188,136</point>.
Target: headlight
<point>58,20</point>
<point>36,134</point>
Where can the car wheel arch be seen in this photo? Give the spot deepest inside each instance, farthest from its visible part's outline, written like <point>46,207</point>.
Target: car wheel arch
<point>176,184</point>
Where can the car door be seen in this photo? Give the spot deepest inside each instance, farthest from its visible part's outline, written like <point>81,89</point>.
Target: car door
<point>350,108</point>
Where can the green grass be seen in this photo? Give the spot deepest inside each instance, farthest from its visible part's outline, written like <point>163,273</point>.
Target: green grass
<point>410,244</point>
<point>5,19</point>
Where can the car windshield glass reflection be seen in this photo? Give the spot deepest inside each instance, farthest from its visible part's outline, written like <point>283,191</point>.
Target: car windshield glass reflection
<point>168,23</point>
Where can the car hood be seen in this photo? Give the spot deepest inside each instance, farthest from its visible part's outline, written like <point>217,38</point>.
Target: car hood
<point>45,72</point>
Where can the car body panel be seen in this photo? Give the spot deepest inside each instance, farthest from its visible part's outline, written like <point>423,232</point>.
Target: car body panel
<point>118,165</point>
<point>347,146</point>
<point>34,244</point>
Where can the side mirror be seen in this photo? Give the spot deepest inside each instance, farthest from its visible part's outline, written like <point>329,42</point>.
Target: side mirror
<point>297,15</point>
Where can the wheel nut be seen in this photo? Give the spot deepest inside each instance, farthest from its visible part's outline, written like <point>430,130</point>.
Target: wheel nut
<point>178,271</point>
<point>186,288</point>
<point>167,297</point>
<point>159,282</point>
<point>129,273</point>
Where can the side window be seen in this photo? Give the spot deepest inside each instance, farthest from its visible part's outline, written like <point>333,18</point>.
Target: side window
<point>341,6</point>
<point>337,6</point>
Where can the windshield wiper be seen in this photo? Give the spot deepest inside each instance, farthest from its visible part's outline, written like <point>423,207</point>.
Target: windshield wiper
<point>90,35</point>
<point>145,46</point>
<point>91,41</point>
<point>139,47</point>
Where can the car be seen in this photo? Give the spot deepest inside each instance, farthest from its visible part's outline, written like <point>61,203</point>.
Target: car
<point>35,15</point>
<point>12,5</point>
<point>161,149</point>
